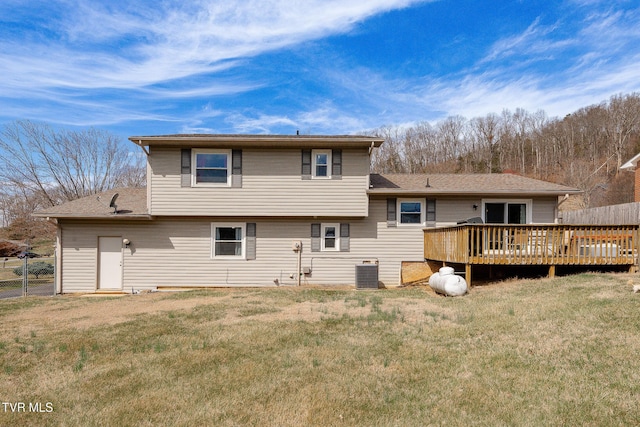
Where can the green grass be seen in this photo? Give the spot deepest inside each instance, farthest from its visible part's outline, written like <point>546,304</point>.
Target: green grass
<point>536,352</point>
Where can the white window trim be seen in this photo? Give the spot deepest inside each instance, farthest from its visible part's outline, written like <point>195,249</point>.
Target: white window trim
<point>423,213</point>
<point>194,167</point>
<point>527,202</point>
<point>313,164</point>
<point>242,226</point>
<point>323,248</point>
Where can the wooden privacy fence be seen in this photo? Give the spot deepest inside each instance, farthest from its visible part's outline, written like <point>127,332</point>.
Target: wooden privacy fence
<point>551,245</point>
<point>626,213</point>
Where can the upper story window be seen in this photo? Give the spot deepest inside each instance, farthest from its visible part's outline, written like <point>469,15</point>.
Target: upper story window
<point>211,167</point>
<point>321,163</point>
<point>411,211</point>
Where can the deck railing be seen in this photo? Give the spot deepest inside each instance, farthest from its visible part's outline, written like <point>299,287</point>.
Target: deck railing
<point>534,244</point>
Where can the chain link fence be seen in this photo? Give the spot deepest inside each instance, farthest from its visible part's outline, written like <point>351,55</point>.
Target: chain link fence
<point>27,276</point>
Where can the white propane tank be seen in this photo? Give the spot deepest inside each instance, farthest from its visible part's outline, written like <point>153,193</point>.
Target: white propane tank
<point>447,283</point>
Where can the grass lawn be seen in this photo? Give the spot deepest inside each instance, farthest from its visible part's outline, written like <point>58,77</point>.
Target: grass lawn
<point>562,351</point>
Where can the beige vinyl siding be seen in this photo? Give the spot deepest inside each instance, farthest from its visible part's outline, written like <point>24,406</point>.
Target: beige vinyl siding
<point>79,259</point>
<point>392,245</point>
<point>271,186</point>
<point>451,210</point>
<point>545,210</point>
<point>177,253</point>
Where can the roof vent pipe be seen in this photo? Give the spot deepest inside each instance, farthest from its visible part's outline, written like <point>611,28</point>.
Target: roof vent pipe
<point>428,185</point>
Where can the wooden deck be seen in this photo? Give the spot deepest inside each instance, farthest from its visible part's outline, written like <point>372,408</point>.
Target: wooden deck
<point>549,245</point>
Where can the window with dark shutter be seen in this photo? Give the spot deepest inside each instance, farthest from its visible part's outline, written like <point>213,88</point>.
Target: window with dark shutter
<point>211,167</point>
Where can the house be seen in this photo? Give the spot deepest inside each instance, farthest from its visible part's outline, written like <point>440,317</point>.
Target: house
<point>632,165</point>
<point>265,210</point>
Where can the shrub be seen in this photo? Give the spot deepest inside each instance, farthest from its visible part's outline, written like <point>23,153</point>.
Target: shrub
<point>37,269</point>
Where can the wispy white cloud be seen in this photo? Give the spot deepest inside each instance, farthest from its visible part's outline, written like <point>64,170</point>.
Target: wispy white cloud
<point>325,118</point>
<point>184,64</point>
<point>580,68</point>
<point>81,49</point>
<point>161,41</point>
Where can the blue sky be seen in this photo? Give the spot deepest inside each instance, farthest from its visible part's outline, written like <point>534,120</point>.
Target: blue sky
<point>139,67</point>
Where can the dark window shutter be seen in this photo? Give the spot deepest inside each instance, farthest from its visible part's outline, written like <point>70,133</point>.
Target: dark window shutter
<point>185,167</point>
<point>430,208</point>
<point>236,168</point>
<point>345,244</point>
<point>391,212</point>
<point>306,164</point>
<point>251,240</point>
<point>236,162</point>
<point>315,238</point>
<point>336,164</point>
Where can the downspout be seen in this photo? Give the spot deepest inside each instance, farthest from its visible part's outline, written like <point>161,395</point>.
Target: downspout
<point>146,152</point>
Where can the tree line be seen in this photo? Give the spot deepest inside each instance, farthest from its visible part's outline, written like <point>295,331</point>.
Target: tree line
<point>585,149</point>
<point>42,166</point>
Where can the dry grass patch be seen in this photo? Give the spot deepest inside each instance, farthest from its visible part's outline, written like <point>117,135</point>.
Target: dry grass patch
<point>536,352</point>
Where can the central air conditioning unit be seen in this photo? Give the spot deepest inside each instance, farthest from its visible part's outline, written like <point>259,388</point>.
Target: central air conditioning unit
<point>366,276</point>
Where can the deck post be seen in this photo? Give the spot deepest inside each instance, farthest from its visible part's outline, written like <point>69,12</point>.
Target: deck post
<point>467,274</point>
<point>552,271</point>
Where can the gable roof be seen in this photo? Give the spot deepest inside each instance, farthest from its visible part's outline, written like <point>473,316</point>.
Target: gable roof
<point>465,184</point>
<point>131,204</point>
<point>259,141</point>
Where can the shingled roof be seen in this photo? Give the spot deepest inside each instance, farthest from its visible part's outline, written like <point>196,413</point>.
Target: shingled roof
<point>260,141</point>
<point>465,184</point>
<point>131,203</point>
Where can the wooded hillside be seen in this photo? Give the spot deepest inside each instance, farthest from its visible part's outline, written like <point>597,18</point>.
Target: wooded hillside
<point>584,149</point>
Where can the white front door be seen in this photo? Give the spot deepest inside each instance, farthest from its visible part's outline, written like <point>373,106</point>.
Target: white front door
<point>110,263</point>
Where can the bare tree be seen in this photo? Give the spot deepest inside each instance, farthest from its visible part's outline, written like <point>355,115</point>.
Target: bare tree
<point>622,123</point>
<point>449,135</point>
<point>63,165</point>
<point>584,149</point>
<point>389,157</point>
<point>485,131</point>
